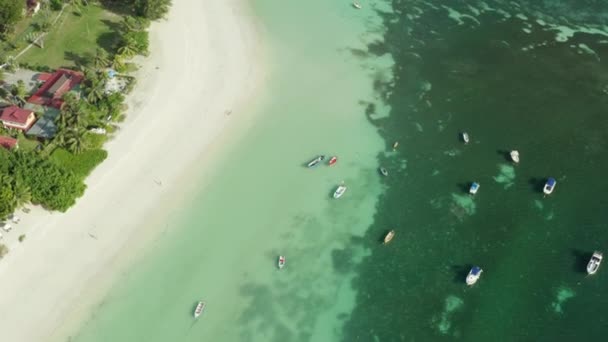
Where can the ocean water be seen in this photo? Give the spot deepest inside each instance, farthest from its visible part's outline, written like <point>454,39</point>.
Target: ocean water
<point>525,75</point>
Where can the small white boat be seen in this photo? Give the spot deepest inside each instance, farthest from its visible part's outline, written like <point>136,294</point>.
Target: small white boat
<point>594,262</point>
<point>281,261</point>
<point>465,137</point>
<point>514,156</point>
<point>340,191</point>
<point>473,275</point>
<point>356,5</point>
<point>474,187</point>
<point>383,171</point>
<point>389,236</point>
<point>200,307</point>
<point>549,186</point>
<point>395,145</point>
<point>316,161</point>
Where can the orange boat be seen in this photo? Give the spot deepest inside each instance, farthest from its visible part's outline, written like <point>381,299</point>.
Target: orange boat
<point>333,160</point>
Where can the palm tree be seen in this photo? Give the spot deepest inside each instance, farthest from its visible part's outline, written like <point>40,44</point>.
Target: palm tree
<point>127,50</point>
<point>75,142</point>
<point>21,192</point>
<point>96,93</point>
<point>118,62</point>
<point>101,59</point>
<point>77,4</point>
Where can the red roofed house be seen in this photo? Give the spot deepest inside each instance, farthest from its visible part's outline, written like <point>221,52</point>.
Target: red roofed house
<point>8,143</point>
<point>55,86</point>
<point>18,118</point>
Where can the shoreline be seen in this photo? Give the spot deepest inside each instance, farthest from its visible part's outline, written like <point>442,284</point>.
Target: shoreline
<point>49,277</point>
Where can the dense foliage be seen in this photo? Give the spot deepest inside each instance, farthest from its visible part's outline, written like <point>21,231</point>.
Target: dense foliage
<point>80,164</point>
<point>10,13</point>
<point>152,9</point>
<point>149,9</point>
<point>26,176</point>
<point>56,181</point>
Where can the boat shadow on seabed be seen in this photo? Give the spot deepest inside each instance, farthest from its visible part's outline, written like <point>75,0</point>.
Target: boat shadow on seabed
<point>460,272</point>
<point>581,258</point>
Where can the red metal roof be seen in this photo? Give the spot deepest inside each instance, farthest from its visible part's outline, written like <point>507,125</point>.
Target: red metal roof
<point>44,76</point>
<point>8,142</point>
<point>15,114</point>
<point>50,94</point>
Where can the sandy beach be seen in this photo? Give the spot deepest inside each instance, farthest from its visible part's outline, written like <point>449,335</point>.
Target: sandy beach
<point>205,64</point>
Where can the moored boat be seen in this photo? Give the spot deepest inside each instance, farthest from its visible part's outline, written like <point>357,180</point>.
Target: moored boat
<point>465,137</point>
<point>549,186</point>
<point>340,191</point>
<point>474,187</point>
<point>281,261</point>
<point>356,5</point>
<point>316,161</point>
<point>473,275</point>
<point>594,262</point>
<point>389,236</point>
<point>333,160</point>
<point>200,307</point>
<point>383,171</point>
<point>514,156</point>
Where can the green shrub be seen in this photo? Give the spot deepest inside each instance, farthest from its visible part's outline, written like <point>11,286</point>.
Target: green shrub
<point>21,237</point>
<point>95,141</point>
<point>53,186</point>
<point>56,5</point>
<point>81,164</point>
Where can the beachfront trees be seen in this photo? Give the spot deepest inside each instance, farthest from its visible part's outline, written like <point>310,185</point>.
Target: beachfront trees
<point>152,9</point>
<point>75,142</point>
<point>101,59</point>
<point>21,193</point>
<point>50,185</point>
<point>7,197</point>
<point>134,37</point>
<point>10,12</point>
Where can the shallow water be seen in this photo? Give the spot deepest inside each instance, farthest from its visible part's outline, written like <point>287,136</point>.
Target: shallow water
<point>263,202</point>
<point>522,75</point>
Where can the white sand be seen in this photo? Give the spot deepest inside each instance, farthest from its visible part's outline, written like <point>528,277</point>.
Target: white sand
<point>205,61</point>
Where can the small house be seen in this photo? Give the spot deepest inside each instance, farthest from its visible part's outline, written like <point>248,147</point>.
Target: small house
<point>17,118</point>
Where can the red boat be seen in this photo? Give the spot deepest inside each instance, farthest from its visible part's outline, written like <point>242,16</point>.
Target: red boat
<point>333,160</point>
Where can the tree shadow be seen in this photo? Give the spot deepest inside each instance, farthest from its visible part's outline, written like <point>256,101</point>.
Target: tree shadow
<point>118,7</point>
<point>460,272</point>
<point>109,40</point>
<point>78,60</point>
<point>581,258</point>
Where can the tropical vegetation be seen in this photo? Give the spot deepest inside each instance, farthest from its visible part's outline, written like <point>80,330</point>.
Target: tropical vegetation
<point>52,173</point>
<point>10,13</point>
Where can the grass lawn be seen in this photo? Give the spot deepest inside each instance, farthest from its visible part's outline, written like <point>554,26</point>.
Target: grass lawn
<point>81,164</point>
<point>74,38</point>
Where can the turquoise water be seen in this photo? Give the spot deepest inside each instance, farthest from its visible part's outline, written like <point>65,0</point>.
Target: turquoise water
<point>223,248</point>
<point>520,75</point>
